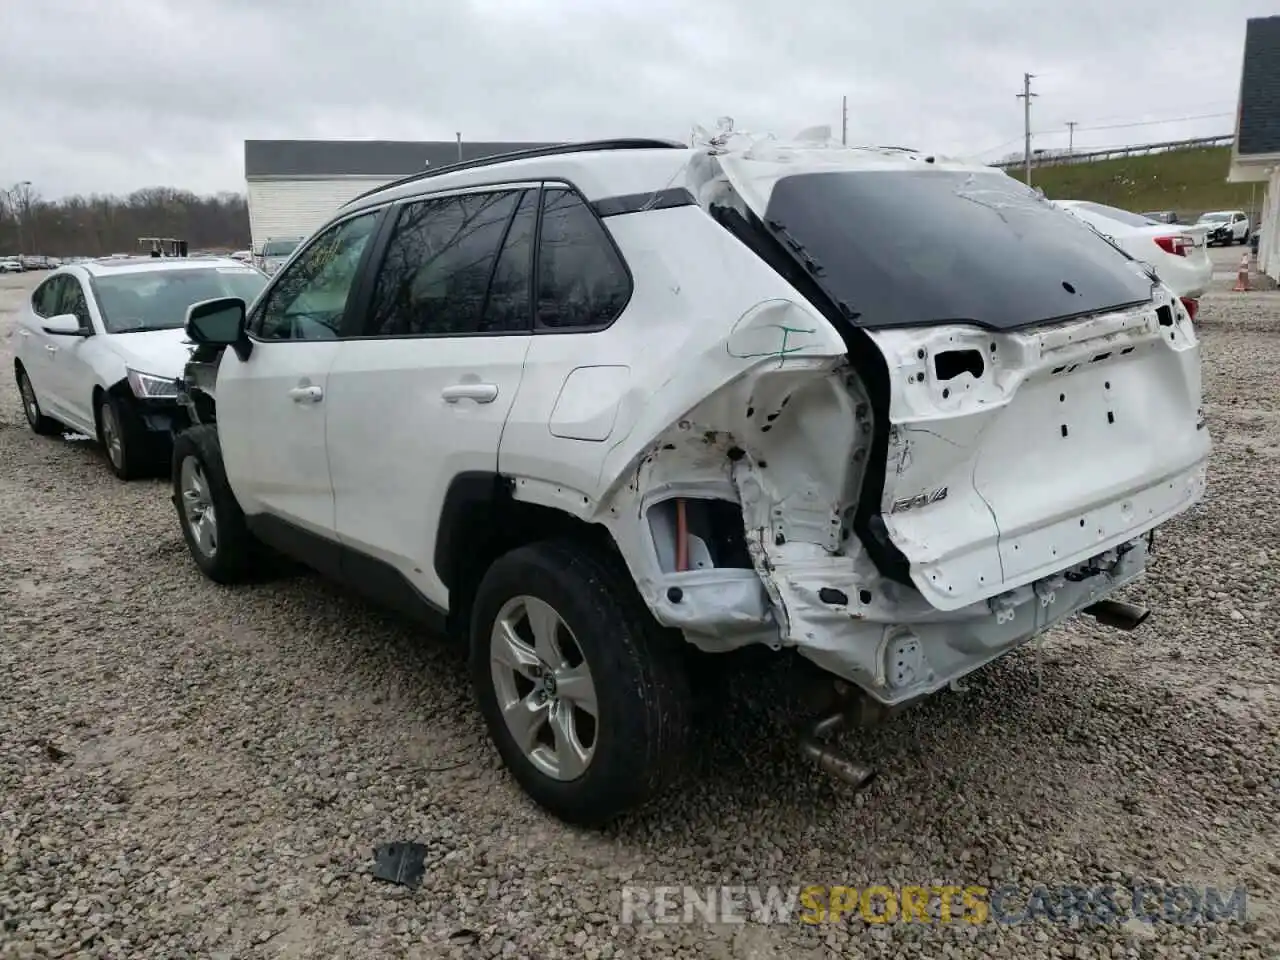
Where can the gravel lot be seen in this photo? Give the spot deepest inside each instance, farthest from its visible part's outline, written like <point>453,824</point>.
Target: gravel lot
<point>187,770</point>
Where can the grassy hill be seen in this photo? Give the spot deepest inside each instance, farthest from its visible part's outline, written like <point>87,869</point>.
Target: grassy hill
<point>1188,181</point>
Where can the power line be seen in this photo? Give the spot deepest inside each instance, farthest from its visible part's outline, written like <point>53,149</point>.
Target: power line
<point>1112,126</point>
<point>1210,105</point>
<point>1152,123</point>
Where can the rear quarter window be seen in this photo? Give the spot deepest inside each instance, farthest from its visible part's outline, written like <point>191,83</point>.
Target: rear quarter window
<point>582,282</point>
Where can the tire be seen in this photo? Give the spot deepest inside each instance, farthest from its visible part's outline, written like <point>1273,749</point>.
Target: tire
<point>224,550</point>
<point>635,668</point>
<point>123,439</point>
<point>36,420</point>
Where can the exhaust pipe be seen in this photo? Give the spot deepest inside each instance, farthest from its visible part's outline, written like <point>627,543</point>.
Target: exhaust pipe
<point>832,761</point>
<point>1118,614</point>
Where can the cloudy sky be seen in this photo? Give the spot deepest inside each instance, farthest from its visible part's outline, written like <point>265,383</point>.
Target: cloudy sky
<point>112,95</point>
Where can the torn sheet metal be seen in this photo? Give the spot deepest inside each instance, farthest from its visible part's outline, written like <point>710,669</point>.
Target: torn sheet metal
<point>1002,486</point>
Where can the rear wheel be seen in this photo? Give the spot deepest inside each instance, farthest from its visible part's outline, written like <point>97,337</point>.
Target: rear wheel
<point>583,692</point>
<point>38,422</point>
<point>212,522</point>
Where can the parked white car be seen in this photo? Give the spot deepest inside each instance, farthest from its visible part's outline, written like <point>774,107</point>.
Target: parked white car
<point>1225,226</point>
<point>10,265</point>
<point>100,347</point>
<point>600,403</point>
<point>1178,252</point>
<point>275,252</point>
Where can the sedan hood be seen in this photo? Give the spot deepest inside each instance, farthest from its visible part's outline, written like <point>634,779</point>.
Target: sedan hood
<point>163,353</point>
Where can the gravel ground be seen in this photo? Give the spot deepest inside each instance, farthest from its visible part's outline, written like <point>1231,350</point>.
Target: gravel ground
<point>187,770</point>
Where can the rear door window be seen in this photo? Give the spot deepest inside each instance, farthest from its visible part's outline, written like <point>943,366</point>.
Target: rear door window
<point>435,274</point>
<point>509,306</point>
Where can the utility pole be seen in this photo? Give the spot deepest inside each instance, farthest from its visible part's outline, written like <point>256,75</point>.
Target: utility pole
<point>844,120</point>
<point>1071,137</point>
<point>1025,96</point>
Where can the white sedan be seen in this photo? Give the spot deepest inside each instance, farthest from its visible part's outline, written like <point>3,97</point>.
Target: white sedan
<point>1177,251</point>
<point>100,346</point>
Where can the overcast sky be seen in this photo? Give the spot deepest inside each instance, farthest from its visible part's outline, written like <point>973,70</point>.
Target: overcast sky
<point>110,96</point>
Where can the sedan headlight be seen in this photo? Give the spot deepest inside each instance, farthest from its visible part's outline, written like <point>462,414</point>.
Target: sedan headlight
<point>150,387</point>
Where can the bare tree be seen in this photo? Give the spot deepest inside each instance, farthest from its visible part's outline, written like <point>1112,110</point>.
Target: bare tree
<point>97,225</point>
<point>21,200</point>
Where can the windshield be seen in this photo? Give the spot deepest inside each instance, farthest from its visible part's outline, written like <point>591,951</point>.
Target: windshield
<point>158,300</point>
<point>1115,213</point>
<point>905,247</point>
<point>279,248</point>
<point>1215,218</point>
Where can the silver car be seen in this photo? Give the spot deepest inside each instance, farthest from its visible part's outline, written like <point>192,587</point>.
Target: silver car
<point>275,251</point>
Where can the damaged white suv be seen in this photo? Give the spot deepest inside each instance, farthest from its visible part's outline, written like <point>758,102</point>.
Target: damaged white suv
<point>591,402</point>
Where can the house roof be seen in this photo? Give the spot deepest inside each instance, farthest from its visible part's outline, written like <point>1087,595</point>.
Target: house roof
<point>1258,126</point>
<point>371,158</point>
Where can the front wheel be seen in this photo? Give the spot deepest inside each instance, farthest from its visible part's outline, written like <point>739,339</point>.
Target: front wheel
<point>122,439</point>
<point>211,519</point>
<point>583,692</point>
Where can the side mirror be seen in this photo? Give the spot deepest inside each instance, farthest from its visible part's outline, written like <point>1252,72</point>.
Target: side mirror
<point>219,323</point>
<point>65,325</point>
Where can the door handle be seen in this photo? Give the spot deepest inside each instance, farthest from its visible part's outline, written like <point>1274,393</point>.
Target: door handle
<point>306,394</point>
<point>479,392</point>
<point>51,348</point>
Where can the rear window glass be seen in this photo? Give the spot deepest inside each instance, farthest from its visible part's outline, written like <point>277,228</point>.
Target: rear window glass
<point>902,248</point>
<point>1114,213</point>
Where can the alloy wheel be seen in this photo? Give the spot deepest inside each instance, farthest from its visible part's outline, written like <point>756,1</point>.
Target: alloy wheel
<point>544,687</point>
<point>112,438</point>
<point>197,507</point>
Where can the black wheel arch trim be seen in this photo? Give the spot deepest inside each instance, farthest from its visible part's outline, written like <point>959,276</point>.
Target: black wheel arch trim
<point>467,491</point>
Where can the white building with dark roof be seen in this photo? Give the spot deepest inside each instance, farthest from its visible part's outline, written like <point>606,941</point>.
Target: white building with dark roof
<point>296,185</point>
<point>1255,157</point>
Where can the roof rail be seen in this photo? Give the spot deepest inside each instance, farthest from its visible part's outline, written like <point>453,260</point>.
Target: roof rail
<point>555,150</point>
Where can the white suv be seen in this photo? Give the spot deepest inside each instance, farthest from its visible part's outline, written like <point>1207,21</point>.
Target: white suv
<point>590,402</point>
<point>1225,226</point>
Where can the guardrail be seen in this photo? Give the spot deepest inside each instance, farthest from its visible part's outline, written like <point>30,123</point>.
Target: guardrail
<point>1165,146</point>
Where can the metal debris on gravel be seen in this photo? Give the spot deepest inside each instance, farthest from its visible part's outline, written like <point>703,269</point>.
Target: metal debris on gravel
<point>189,770</point>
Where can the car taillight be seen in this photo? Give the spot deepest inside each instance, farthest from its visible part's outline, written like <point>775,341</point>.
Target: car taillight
<point>1193,306</point>
<point>1176,244</point>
